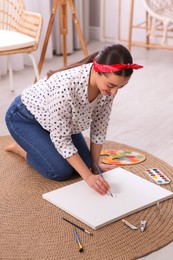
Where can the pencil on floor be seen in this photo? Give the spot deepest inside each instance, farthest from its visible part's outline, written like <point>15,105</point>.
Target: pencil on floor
<point>81,228</point>
<point>78,241</point>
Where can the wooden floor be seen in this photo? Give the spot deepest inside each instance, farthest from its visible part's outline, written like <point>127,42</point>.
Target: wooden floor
<point>142,114</point>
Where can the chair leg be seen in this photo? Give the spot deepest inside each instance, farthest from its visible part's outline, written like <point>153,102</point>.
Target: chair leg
<point>165,30</point>
<point>10,69</point>
<point>129,42</point>
<point>35,66</point>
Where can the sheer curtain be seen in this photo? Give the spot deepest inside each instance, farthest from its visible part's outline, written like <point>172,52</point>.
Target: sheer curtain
<point>55,43</point>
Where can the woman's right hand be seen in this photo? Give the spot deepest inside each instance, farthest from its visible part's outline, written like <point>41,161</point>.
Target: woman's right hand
<point>97,183</point>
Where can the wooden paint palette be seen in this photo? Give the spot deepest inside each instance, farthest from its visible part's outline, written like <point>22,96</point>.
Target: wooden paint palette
<point>121,157</point>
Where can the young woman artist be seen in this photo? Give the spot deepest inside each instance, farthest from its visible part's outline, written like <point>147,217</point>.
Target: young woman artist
<point>46,121</point>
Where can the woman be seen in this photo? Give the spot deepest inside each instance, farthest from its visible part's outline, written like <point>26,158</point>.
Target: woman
<point>46,121</point>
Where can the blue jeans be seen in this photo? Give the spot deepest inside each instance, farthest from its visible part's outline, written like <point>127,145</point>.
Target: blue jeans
<point>41,152</point>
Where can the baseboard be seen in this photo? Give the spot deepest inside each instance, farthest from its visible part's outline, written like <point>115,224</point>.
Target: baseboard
<point>94,33</point>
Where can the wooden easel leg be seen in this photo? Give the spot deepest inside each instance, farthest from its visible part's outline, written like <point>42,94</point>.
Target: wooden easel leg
<point>130,25</point>
<point>49,29</point>
<point>147,30</point>
<point>119,20</point>
<point>63,27</point>
<point>78,29</point>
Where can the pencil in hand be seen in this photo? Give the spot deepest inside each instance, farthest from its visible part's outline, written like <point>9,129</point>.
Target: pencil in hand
<point>100,173</point>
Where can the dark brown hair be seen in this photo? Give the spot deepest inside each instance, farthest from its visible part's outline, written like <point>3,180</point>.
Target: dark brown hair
<point>113,54</point>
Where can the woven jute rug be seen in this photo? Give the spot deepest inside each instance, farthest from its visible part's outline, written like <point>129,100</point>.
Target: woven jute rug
<point>31,228</point>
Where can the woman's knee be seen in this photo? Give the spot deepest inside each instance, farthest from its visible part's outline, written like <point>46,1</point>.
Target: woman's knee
<point>59,175</point>
<point>60,172</point>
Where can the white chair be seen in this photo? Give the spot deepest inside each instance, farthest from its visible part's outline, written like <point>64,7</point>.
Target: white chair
<point>160,14</point>
<point>19,32</point>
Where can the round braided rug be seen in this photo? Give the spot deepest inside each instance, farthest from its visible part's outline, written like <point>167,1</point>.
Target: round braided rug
<point>32,228</point>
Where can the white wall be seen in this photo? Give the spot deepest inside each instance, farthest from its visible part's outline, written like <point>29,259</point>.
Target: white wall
<point>95,13</point>
<point>104,21</point>
<point>109,19</point>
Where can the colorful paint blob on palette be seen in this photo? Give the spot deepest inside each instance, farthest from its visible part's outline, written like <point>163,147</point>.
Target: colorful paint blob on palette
<point>157,176</point>
<point>121,157</point>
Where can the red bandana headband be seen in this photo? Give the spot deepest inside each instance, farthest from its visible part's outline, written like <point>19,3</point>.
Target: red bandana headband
<point>114,67</point>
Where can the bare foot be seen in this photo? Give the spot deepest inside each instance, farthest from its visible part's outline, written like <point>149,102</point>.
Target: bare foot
<point>15,148</point>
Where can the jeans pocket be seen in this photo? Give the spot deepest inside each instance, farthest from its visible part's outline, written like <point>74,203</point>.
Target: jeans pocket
<point>24,113</point>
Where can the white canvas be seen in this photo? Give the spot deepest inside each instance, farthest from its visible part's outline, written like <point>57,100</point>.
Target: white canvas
<point>131,193</point>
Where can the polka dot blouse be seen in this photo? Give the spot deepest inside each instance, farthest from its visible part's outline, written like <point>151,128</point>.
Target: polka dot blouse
<point>60,104</point>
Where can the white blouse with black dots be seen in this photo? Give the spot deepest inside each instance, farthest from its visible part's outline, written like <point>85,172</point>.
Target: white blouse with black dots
<point>60,104</point>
